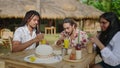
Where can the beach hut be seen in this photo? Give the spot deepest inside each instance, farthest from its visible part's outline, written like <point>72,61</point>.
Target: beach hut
<point>52,9</point>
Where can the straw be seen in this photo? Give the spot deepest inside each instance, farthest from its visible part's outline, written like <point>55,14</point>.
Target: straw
<point>79,35</point>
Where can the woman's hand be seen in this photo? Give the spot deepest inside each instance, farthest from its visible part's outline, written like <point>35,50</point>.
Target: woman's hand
<point>95,40</point>
<point>39,37</point>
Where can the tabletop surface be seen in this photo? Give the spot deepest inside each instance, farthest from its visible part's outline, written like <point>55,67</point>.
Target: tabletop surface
<point>19,57</point>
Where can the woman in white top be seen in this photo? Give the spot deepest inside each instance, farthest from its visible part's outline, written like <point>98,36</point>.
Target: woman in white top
<point>108,41</point>
<point>28,34</point>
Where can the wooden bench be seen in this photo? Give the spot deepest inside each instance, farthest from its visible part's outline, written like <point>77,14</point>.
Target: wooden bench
<point>50,30</point>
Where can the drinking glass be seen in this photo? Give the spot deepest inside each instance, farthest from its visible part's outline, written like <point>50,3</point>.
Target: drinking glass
<point>43,41</point>
<point>66,43</point>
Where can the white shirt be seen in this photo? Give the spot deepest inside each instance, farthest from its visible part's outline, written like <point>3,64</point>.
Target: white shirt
<point>111,53</point>
<point>22,34</point>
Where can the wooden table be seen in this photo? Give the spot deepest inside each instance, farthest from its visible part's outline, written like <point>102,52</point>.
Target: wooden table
<point>16,60</point>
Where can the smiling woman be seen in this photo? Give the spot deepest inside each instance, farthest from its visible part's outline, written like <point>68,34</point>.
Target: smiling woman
<point>108,46</point>
<point>104,24</point>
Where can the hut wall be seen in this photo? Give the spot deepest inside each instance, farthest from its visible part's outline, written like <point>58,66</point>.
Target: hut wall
<point>91,26</point>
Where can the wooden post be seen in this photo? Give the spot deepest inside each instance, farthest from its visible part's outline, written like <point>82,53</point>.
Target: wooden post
<point>81,24</point>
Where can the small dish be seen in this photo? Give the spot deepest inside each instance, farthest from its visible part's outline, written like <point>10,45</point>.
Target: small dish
<point>66,58</point>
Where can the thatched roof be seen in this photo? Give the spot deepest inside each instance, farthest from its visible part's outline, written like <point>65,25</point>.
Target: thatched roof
<point>48,8</point>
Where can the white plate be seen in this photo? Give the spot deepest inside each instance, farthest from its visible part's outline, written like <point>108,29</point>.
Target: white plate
<point>34,59</point>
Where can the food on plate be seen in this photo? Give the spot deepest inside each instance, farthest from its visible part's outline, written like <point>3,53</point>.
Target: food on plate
<point>44,51</point>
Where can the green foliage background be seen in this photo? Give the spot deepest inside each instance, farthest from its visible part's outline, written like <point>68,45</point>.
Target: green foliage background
<point>105,5</point>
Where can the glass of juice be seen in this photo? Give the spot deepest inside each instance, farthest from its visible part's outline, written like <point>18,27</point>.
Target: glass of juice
<point>43,41</point>
<point>66,43</point>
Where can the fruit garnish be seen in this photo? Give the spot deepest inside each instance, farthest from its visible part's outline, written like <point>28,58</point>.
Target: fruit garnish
<point>32,58</point>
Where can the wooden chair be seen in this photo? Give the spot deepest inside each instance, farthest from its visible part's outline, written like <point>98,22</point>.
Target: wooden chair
<point>4,29</point>
<point>51,30</point>
<point>10,43</point>
<point>6,33</point>
<point>7,36</point>
<point>6,45</point>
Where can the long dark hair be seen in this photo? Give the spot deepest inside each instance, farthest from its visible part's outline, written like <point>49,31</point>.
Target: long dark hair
<point>113,28</point>
<point>28,16</point>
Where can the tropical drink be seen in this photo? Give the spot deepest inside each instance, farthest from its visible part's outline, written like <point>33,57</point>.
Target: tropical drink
<point>66,43</point>
<point>43,41</point>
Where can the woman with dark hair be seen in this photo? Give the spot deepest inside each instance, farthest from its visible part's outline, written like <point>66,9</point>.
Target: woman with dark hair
<point>108,41</point>
<point>28,34</point>
<point>71,32</point>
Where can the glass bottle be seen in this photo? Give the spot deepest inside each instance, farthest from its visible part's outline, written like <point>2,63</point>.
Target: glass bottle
<point>64,51</point>
<point>78,51</point>
<point>90,47</point>
<point>73,54</point>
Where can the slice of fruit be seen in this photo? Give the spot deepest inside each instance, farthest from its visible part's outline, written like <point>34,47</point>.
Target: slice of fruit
<point>32,58</point>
